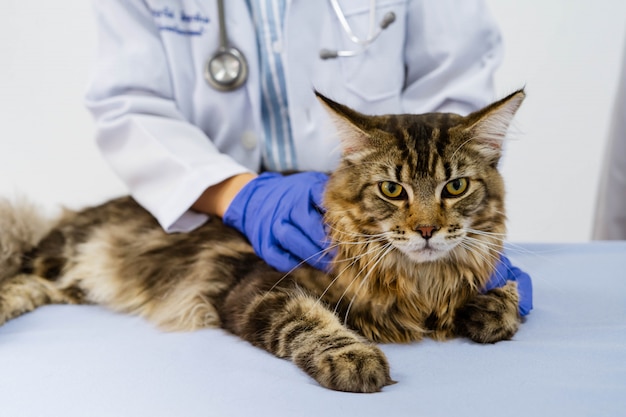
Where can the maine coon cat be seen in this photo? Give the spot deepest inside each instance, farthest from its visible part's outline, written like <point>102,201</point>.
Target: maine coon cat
<point>415,213</point>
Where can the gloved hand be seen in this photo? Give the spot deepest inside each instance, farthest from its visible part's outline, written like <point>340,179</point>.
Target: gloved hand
<point>280,216</point>
<point>504,272</point>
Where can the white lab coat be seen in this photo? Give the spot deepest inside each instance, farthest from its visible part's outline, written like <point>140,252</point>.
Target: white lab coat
<point>169,135</point>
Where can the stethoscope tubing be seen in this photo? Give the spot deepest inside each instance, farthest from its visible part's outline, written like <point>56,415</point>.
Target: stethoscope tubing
<point>346,26</point>
<point>227,69</point>
<point>373,32</point>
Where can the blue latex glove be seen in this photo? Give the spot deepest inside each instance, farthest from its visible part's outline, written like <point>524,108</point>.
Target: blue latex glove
<point>504,272</point>
<point>280,216</point>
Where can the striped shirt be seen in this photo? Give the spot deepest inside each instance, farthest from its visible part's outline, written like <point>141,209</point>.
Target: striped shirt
<point>278,152</point>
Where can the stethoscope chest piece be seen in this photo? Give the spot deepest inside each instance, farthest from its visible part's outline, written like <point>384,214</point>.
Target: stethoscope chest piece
<point>226,70</point>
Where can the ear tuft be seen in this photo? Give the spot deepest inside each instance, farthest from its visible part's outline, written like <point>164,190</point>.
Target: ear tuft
<point>349,124</point>
<point>490,125</point>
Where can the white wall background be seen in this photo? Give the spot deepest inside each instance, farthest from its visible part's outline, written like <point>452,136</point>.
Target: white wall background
<point>566,52</point>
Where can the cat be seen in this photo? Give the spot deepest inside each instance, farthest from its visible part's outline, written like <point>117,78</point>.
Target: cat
<point>415,217</point>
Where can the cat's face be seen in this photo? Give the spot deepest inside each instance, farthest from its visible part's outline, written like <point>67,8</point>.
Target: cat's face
<point>424,185</point>
<point>426,210</point>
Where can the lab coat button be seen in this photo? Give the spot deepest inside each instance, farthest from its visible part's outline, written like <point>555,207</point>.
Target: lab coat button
<point>277,46</point>
<point>249,140</point>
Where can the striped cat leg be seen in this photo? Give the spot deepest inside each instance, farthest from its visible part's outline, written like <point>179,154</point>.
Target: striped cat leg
<point>490,317</point>
<point>23,293</point>
<point>293,325</point>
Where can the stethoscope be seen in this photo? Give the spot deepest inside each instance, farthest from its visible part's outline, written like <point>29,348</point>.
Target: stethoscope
<point>227,69</point>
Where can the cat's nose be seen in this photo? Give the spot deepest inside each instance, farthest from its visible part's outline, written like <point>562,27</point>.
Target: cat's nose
<point>426,231</point>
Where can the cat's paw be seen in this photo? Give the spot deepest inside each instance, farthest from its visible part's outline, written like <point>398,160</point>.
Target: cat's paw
<point>490,317</point>
<point>358,367</point>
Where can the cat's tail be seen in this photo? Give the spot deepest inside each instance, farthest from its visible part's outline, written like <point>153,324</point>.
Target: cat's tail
<point>22,226</point>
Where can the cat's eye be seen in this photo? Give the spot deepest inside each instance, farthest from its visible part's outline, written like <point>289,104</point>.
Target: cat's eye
<point>392,190</point>
<point>456,188</point>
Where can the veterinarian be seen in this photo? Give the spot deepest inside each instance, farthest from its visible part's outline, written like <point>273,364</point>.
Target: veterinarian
<point>199,103</point>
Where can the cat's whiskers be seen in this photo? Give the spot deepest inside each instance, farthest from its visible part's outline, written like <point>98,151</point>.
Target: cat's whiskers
<point>483,256</point>
<point>301,263</point>
<point>513,247</point>
<point>383,254</point>
<point>358,234</point>
<point>510,247</point>
<point>484,232</point>
<point>375,260</point>
<point>374,238</point>
<point>353,260</point>
<point>492,238</point>
<point>378,253</point>
<point>486,244</point>
<point>484,250</point>
<point>360,242</point>
<point>370,238</point>
<point>484,247</point>
<point>480,250</point>
<point>361,254</point>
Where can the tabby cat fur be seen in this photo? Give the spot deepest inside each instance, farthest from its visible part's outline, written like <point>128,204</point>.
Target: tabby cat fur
<point>415,214</point>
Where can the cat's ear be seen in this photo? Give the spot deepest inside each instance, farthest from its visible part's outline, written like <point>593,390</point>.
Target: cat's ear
<point>350,124</point>
<point>488,126</point>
